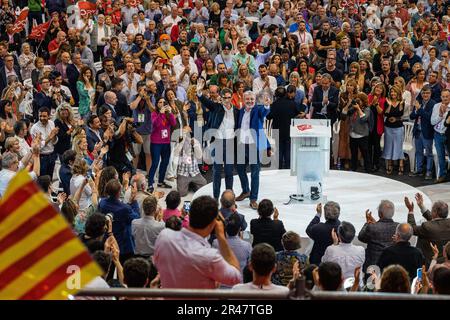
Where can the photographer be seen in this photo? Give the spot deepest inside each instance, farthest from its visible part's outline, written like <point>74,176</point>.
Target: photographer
<point>120,152</point>
<point>163,120</point>
<point>359,116</point>
<point>60,94</point>
<point>188,151</point>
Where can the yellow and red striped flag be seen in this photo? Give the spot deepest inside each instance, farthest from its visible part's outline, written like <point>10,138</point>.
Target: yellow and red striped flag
<point>38,249</point>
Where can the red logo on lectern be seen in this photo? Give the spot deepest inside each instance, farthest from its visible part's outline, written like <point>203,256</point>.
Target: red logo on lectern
<point>303,127</point>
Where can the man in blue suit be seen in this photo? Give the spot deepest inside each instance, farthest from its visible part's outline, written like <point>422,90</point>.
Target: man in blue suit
<point>423,132</point>
<point>251,141</point>
<point>123,214</point>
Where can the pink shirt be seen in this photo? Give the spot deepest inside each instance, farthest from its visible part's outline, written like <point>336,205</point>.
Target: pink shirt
<point>167,213</point>
<point>186,260</point>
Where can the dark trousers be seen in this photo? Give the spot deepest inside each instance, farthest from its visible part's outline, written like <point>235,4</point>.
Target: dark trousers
<point>36,16</point>
<point>223,155</point>
<point>47,164</point>
<point>363,145</point>
<point>374,148</point>
<point>159,152</point>
<point>251,159</point>
<point>284,154</point>
<point>98,55</point>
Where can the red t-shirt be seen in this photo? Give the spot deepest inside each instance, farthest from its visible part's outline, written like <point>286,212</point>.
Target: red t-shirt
<point>52,46</point>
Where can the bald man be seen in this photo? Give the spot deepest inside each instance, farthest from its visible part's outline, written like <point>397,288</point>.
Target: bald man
<point>53,46</point>
<point>402,253</point>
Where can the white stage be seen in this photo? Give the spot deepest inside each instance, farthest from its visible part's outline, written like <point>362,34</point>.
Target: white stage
<point>355,192</point>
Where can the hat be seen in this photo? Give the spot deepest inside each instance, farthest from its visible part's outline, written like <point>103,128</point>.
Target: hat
<point>227,46</point>
<point>164,37</point>
<point>195,40</point>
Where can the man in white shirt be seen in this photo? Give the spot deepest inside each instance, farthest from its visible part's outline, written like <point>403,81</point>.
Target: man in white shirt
<point>303,35</point>
<point>10,165</point>
<point>343,252</point>
<point>262,265</point>
<point>186,260</point>
<point>438,117</point>
<point>130,79</point>
<point>47,131</point>
<point>251,142</point>
<point>185,69</point>
<point>171,20</point>
<point>264,85</point>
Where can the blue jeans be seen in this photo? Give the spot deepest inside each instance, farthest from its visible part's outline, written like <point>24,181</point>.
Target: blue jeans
<point>440,143</point>
<point>223,155</point>
<point>427,144</point>
<point>255,166</point>
<point>47,162</point>
<point>159,152</point>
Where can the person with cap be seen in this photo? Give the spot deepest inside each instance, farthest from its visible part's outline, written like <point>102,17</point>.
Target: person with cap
<point>166,51</point>
<point>225,57</point>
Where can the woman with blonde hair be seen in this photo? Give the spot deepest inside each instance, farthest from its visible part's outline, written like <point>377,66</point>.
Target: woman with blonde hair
<point>79,174</point>
<point>196,112</point>
<point>393,130</point>
<point>406,95</point>
<point>245,76</point>
<point>294,79</point>
<point>66,123</point>
<point>232,36</point>
<point>345,100</point>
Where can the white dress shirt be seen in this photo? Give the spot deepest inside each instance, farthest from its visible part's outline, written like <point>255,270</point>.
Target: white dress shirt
<point>75,183</point>
<point>347,256</point>
<point>245,132</point>
<point>130,93</point>
<point>226,128</point>
<point>24,147</point>
<point>179,69</point>
<point>259,90</point>
<point>186,260</point>
<point>38,127</point>
<point>436,120</point>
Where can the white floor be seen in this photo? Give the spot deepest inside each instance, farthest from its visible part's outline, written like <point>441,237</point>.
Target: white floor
<point>355,192</point>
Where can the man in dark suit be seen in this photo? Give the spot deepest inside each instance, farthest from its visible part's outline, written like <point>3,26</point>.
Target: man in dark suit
<point>14,40</point>
<point>94,132</point>
<point>65,171</point>
<point>252,141</point>
<point>325,100</point>
<point>282,111</point>
<point>73,73</point>
<point>228,207</point>
<point>223,118</point>
<point>123,214</point>
<point>378,234</point>
<point>423,132</point>
<point>435,230</point>
<point>111,103</point>
<point>9,69</point>
<point>320,232</point>
<point>346,55</point>
<point>402,252</point>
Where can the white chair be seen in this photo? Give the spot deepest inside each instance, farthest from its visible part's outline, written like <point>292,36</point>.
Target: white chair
<point>408,144</point>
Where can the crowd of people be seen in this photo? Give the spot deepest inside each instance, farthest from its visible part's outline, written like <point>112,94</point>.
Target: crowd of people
<point>115,97</point>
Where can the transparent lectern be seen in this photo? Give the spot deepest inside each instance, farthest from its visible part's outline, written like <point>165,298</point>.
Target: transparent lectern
<point>310,157</point>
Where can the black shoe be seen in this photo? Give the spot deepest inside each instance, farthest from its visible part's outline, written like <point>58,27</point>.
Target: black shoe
<point>150,189</point>
<point>164,185</point>
<point>375,168</point>
<point>414,174</point>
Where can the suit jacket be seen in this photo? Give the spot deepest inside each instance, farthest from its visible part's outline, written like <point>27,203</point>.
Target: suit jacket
<point>65,174</point>
<point>378,237</point>
<point>17,42</point>
<point>216,112</point>
<point>282,111</point>
<point>436,231</point>
<point>268,231</point>
<point>92,138</point>
<point>333,101</point>
<point>320,232</point>
<point>3,78</point>
<point>257,115</point>
<point>72,76</point>
<point>123,214</point>
<point>346,62</point>
<point>425,120</point>
<point>404,254</point>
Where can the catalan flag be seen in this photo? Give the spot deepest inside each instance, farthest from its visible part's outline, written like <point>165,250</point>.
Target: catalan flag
<point>38,250</point>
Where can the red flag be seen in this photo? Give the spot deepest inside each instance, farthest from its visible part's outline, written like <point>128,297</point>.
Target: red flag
<point>135,3</point>
<point>21,20</point>
<point>87,8</point>
<point>38,32</point>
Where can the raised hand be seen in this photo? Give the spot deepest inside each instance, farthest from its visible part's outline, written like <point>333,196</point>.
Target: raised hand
<point>409,205</point>
<point>276,214</point>
<point>435,250</point>
<point>319,208</point>
<point>334,236</point>
<point>419,200</point>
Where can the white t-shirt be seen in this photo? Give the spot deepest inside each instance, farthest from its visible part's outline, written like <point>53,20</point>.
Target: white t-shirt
<point>249,286</point>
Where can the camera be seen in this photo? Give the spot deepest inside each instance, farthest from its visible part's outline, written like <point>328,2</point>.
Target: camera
<point>354,102</point>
